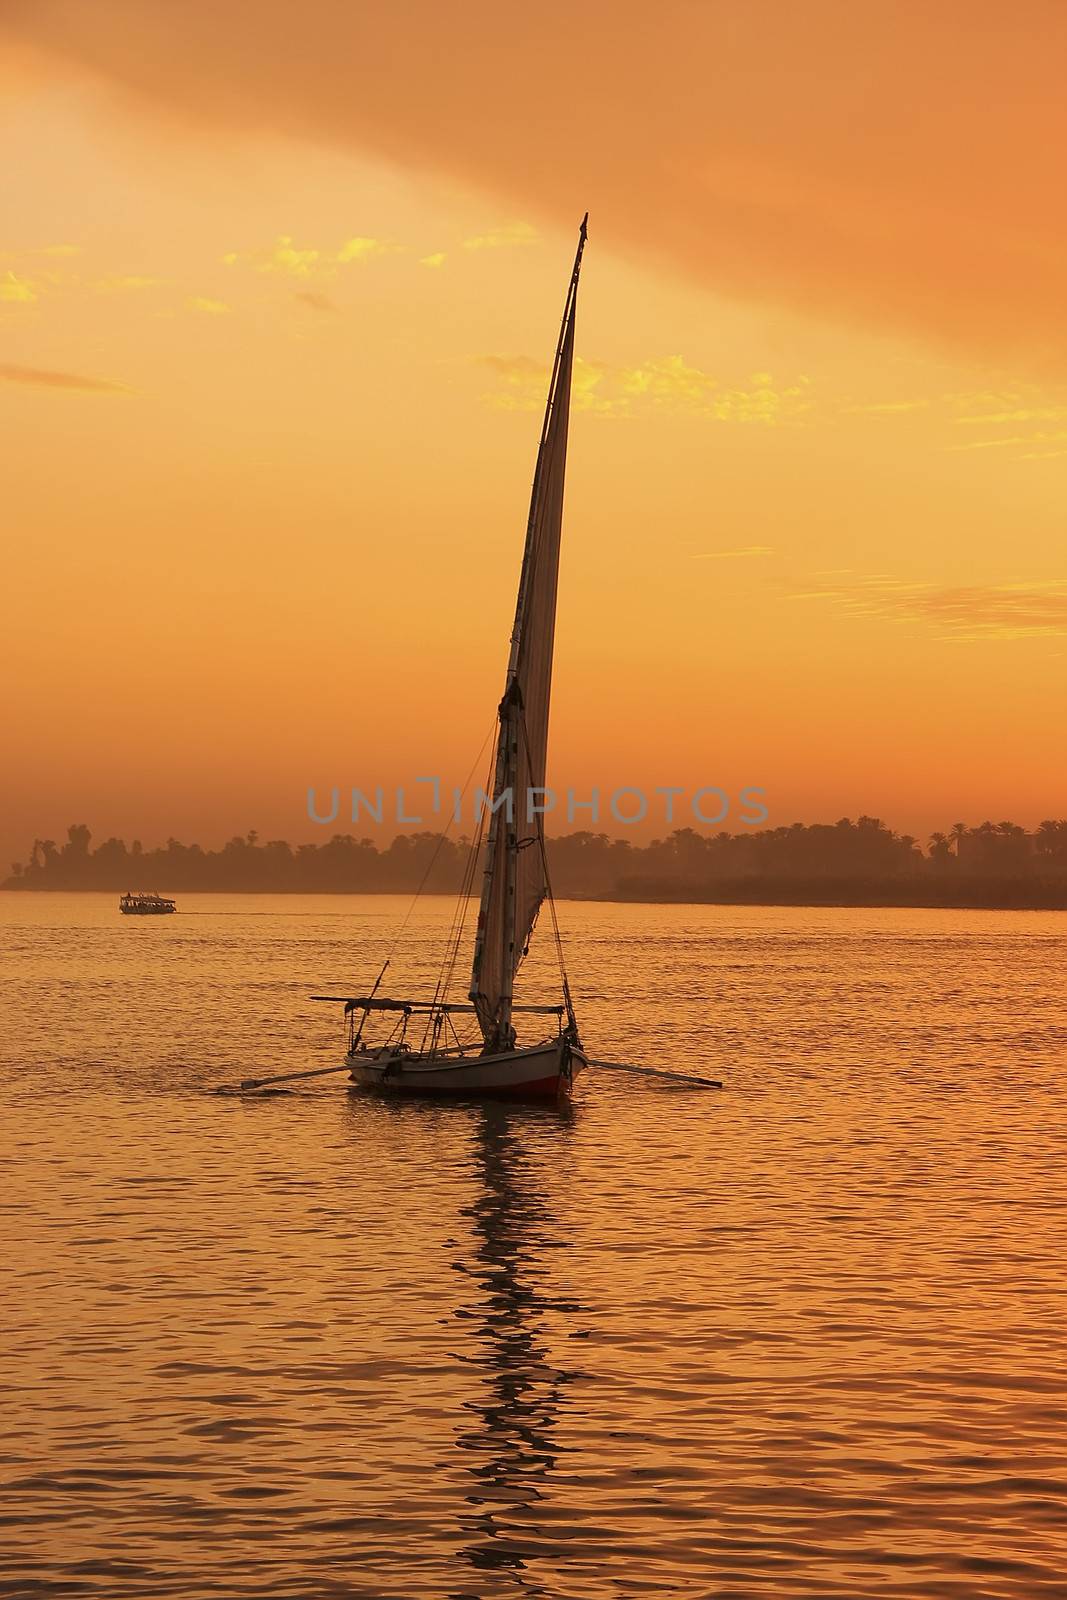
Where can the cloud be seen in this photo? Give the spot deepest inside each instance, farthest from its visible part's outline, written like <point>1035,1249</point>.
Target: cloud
<point>959,415</point>
<point>41,378</point>
<point>669,379</point>
<point>668,384</point>
<point>210,308</point>
<point>886,408</point>
<point>745,550</point>
<point>522,382</point>
<point>523,385</point>
<point>1043,437</point>
<point>360,249</point>
<point>500,238</point>
<point>671,384</point>
<point>436,260</point>
<point>1025,414</point>
<point>283,256</point>
<point>312,298</point>
<point>18,291</point>
<point>119,283</point>
<point>964,612</point>
<point>915,189</point>
<point>307,261</point>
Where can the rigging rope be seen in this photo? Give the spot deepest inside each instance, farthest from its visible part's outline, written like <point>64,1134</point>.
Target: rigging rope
<point>459,914</point>
<point>442,836</point>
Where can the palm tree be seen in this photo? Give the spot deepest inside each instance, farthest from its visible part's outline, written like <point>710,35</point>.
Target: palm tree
<point>1051,838</point>
<point>940,848</point>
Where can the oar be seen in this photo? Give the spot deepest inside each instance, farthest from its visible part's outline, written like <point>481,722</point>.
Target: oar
<point>656,1072</point>
<point>609,1066</point>
<point>286,1077</point>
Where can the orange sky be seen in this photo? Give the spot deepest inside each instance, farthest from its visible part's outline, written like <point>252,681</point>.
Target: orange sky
<point>276,308</point>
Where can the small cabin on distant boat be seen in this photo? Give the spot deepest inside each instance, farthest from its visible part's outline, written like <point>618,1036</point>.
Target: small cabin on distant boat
<point>146,905</point>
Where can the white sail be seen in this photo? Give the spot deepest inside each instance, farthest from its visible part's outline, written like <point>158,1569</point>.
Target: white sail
<point>514,883</point>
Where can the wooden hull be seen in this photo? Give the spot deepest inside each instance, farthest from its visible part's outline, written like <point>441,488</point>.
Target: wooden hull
<point>542,1071</point>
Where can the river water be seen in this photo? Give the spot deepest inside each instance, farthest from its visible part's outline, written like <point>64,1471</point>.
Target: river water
<point>803,1337</point>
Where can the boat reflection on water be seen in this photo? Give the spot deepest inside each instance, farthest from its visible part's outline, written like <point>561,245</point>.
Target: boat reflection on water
<point>512,1437</point>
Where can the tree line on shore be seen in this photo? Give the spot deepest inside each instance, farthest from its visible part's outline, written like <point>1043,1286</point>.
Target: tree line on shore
<point>863,861</point>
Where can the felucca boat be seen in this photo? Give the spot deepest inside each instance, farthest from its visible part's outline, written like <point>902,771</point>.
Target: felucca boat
<point>427,1052</point>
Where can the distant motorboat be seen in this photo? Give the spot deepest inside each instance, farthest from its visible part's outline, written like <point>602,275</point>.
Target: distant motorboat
<point>146,905</point>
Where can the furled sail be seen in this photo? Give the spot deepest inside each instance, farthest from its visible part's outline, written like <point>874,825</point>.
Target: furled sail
<point>514,883</point>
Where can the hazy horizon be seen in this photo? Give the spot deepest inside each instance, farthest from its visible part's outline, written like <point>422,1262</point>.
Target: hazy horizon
<point>640,835</point>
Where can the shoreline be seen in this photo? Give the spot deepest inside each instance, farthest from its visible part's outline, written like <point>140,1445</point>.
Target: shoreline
<point>983,896</point>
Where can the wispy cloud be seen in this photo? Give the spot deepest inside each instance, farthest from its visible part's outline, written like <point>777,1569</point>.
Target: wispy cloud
<point>668,384</point>
<point>885,408</point>
<point>436,260</point>
<point>723,555</point>
<point>120,283</point>
<point>41,378</point>
<point>16,290</point>
<point>285,256</point>
<point>523,385</point>
<point>361,249</point>
<point>965,611</point>
<point>43,271</point>
<point>210,308</point>
<point>1023,409</point>
<point>1023,441</point>
<point>1022,414</point>
<point>981,420</point>
<point>499,238</point>
<point>520,381</point>
<point>671,384</point>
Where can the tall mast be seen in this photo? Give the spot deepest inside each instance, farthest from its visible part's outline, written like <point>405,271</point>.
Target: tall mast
<point>567,325</point>
<point>512,885</point>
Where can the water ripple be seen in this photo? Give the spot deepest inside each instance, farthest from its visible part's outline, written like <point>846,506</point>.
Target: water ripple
<point>803,1338</point>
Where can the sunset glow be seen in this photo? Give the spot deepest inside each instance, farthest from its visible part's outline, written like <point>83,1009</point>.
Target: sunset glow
<point>275,327</point>
<point>533,851</point>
